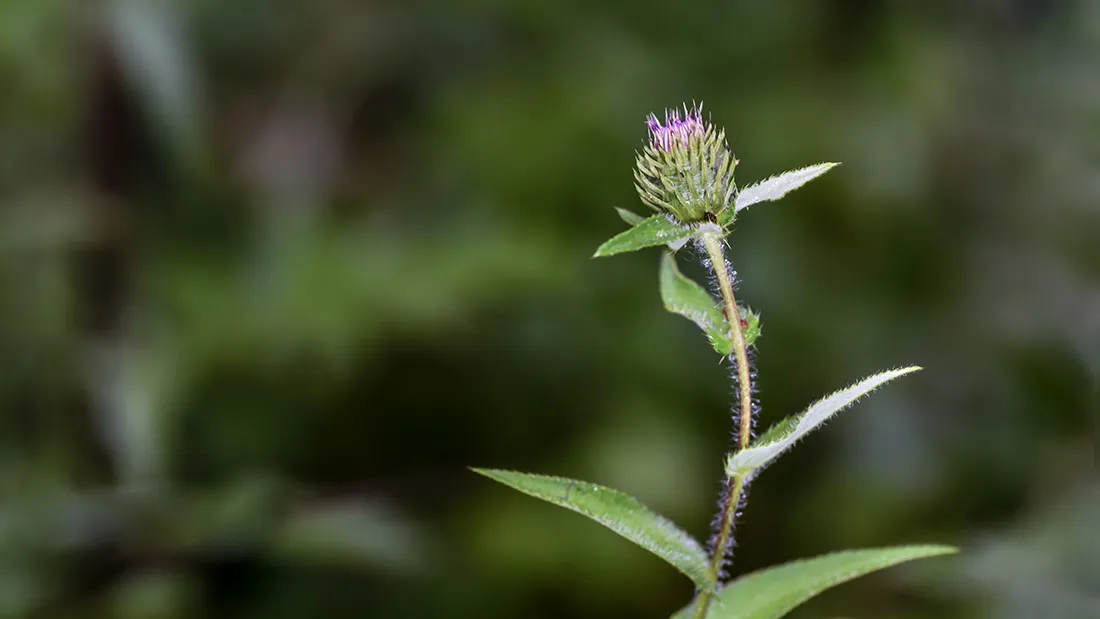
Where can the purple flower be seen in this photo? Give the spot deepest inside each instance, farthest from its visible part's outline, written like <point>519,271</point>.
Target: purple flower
<point>676,130</point>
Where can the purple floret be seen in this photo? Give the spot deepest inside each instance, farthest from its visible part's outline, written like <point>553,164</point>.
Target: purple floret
<point>676,130</point>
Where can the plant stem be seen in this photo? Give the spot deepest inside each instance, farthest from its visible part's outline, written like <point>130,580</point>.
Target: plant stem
<point>710,236</point>
<point>734,487</point>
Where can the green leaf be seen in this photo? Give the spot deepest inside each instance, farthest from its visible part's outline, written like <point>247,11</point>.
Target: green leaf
<point>787,432</point>
<point>619,512</point>
<point>773,592</point>
<point>650,232</point>
<point>751,325</point>
<point>780,185</point>
<point>685,297</point>
<point>629,217</point>
<point>688,299</point>
<point>726,217</point>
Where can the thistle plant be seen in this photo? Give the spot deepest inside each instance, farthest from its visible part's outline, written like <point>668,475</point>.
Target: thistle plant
<point>685,174</point>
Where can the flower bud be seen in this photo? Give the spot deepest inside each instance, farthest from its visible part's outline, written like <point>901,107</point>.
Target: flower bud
<point>686,170</point>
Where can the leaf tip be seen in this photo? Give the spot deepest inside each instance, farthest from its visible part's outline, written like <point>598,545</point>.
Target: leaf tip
<point>630,217</point>
<point>490,473</point>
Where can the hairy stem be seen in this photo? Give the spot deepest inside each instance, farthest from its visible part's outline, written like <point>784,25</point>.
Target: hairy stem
<point>734,487</point>
<point>710,236</point>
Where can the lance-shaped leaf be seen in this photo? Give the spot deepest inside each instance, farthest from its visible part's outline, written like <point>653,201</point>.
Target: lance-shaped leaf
<point>685,297</point>
<point>650,232</point>
<point>780,185</point>
<point>782,435</point>
<point>630,217</point>
<point>773,592</point>
<point>688,299</point>
<point>619,512</point>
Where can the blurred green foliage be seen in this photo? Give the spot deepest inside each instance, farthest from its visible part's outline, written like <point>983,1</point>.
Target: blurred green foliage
<point>272,273</point>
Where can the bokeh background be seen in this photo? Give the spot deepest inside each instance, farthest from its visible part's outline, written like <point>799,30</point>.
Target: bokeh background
<point>274,273</point>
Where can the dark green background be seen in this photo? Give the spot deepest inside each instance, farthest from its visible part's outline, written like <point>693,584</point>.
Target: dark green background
<point>273,273</point>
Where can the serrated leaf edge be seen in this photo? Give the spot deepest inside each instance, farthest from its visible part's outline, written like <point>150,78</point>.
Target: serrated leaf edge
<point>685,538</point>
<point>675,236</point>
<point>918,551</point>
<point>821,168</point>
<point>735,463</point>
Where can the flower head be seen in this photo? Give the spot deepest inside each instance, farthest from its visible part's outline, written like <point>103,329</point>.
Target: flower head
<point>686,170</point>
